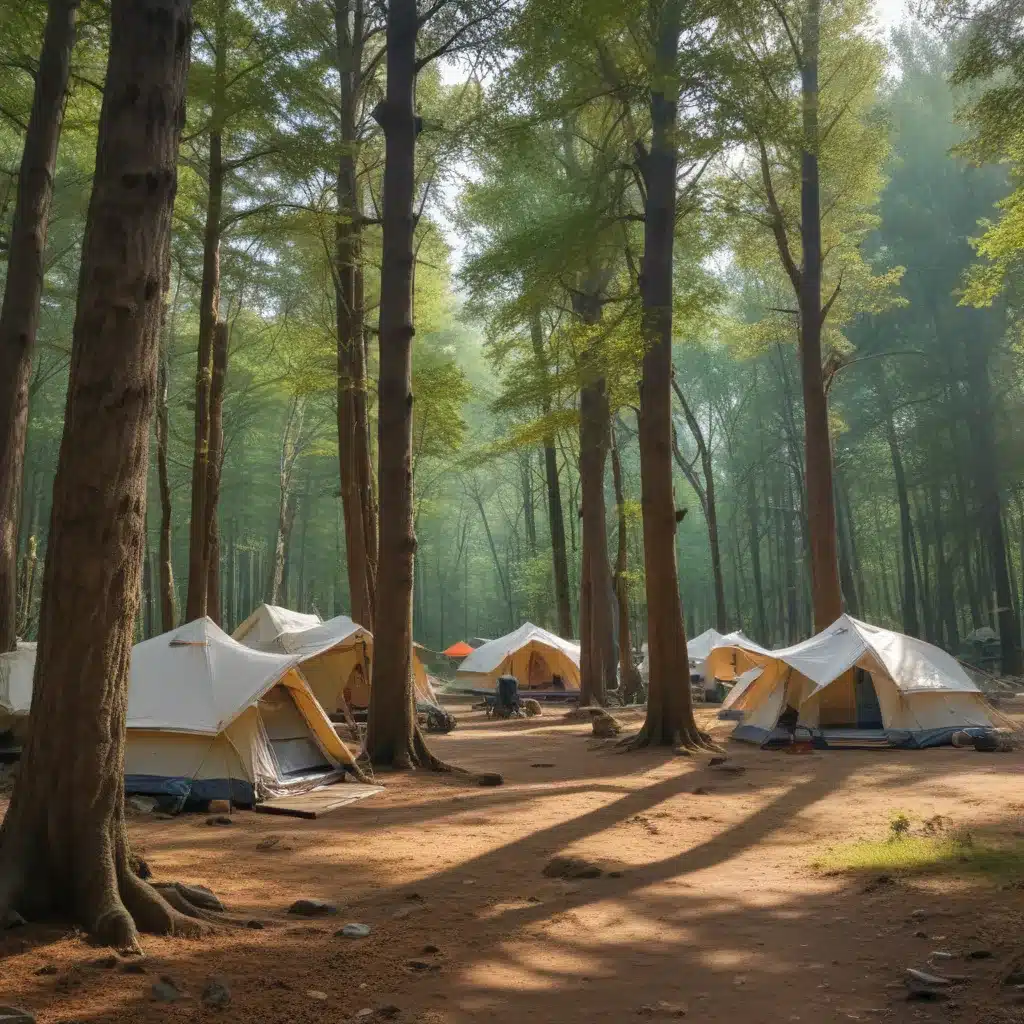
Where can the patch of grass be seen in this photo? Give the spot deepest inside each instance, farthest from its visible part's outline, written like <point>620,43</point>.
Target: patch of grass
<point>959,853</point>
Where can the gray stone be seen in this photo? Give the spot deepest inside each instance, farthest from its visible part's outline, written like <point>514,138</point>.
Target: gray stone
<point>166,991</point>
<point>312,908</point>
<point>216,995</point>
<point>980,954</point>
<point>940,954</point>
<point>16,1015</point>
<point>354,931</point>
<point>254,925</point>
<point>918,915</point>
<point>143,804</point>
<point>12,919</point>
<point>924,978</point>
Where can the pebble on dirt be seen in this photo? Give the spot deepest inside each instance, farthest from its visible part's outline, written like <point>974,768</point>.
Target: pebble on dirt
<point>571,867</point>
<point>218,819</point>
<point>216,995</point>
<point>166,991</point>
<point>354,931</point>
<point>312,908</point>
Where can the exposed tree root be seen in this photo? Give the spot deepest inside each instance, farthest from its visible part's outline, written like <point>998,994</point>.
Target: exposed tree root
<point>684,741</point>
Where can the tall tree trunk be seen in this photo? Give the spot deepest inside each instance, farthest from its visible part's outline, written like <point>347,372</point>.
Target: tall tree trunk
<point>168,609</point>
<point>944,573</point>
<point>753,514</point>
<point>630,682</point>
<point>669,718</point>
<point>214,467</point>
<point>356,472</point>
<point>556,522</point>
<point>64,843</point>
<point>393,736</point>
<point>821,516</point>
<point>597,637</point>
<point>19,315</point>
<point>209,312</point>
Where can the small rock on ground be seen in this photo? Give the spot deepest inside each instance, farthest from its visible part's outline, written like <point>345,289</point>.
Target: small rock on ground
<point>662,1009</point>
<point>312,908</point>
<point>166,991</point>
<point>354,931</point>
<point>216,995</point>
<point>254,925</point>
<point>314,993</point>
<point>143,804</point>
<point>218,819</point>
<point>571,867</point>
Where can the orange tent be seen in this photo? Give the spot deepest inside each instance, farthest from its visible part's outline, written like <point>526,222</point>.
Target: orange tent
<point>459,650</point>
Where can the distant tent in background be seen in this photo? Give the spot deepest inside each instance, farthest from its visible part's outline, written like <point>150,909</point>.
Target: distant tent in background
<point>697,651</point>
<point>531,654</point>
<point>458,650</point>
<point>852,684</point>
<point>335,656</point>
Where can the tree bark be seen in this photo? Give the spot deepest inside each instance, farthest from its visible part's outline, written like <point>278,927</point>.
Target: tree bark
<point>168,604</point>
<point>753,514</point>
<point>209,312</point>
<point>19,315</point>
<point>64,843</point>
<point>214,467</point>
<point>356,471</point>
<point>669,718</point>
<point>556,521</point>
<point>630,682</point>
<point>393,737</point>
<point>597,637</point>
<point>821,516</point>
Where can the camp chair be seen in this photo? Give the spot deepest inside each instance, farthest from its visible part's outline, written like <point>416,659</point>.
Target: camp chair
<point>506,702</point>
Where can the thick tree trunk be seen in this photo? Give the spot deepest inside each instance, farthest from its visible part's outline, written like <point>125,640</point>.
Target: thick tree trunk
<point>944,574</point>
<point>669,718</point>
<point>393,737</point>
<point>597,637</point>
<point>753,514</point>
<point>630,681</point>
<point>19,315</point>
<point>356,472</point>
<point>556,521</point>
<point>64,843</point>
<point>214,466</point>
<point>168,609</point>
<point>826,590</point>
<point>209,313</point>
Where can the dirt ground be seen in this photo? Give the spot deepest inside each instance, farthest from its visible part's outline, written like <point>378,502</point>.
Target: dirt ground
<point>712,906</point>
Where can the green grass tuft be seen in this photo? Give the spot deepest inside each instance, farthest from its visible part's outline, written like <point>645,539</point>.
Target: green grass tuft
<point>925,855</point>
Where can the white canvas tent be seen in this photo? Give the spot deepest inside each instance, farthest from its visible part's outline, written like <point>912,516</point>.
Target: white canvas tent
<point>697,650</point>
<point>16,670</point>
<point>531,654</point>
<point>851,683</point>
<point>334,656</point>
<point>211,718</point>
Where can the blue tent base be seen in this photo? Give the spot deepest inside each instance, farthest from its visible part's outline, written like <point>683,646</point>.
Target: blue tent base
<point>177,794</point>
<point>855,739</point>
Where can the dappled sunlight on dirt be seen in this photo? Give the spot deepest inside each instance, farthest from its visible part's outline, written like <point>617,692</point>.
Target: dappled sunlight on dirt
<point>707,900</point>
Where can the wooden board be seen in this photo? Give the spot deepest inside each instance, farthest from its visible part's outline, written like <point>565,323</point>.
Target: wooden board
<point>318,802</point>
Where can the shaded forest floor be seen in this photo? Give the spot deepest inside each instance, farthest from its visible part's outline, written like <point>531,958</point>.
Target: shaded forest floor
<point>717,909</point>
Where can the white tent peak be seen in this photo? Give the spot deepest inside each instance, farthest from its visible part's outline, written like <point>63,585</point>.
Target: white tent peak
<point>491,654</point>
<point>269,621</point>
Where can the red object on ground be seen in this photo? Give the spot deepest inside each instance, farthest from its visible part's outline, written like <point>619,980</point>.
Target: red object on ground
<point>459,650</point>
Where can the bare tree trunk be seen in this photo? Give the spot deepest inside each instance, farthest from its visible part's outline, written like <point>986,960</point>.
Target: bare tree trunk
<point>630,682</point>
<point>19,315</point>
<point>209,312</point>
<point>168,609</point>
<point>755,558</point>
<point>214,467</point>
<point>28,581</point>
<point>556,522</point>
<point>821,515</point>
<point>393,736</point>
<point>353,420</point>
<point>669,718</point>
<point>64,844</point>
<point>290,443</point>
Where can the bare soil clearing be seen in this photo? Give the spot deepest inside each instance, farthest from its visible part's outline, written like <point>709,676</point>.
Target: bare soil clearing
<point>707,902</point>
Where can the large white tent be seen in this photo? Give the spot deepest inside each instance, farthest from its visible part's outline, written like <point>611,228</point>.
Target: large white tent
<point>531,654</point>
<point>851,683</point>
<point>335,656</point>
<point>211,718</point>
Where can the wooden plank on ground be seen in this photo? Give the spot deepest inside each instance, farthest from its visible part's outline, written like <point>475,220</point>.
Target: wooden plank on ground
<point>318,802</point>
